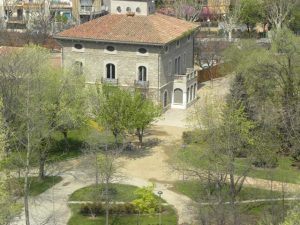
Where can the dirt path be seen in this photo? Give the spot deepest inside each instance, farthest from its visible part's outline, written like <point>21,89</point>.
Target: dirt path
<point>149,165</point>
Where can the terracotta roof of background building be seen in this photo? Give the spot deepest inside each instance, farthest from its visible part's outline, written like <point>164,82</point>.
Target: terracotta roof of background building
<point>153,29</point>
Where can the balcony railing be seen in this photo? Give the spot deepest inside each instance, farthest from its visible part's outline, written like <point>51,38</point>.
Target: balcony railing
<point>16,19</point>
<point>141,84</point>
<point>191,74</point>
<point>109,81</point>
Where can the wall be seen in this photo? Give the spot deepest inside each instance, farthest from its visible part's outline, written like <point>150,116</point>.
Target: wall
<point>167,75</point>
<point>144,7</point>
<point>126,59</point>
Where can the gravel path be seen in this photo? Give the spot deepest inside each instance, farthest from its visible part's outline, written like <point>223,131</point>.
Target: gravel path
<point>51,207</point>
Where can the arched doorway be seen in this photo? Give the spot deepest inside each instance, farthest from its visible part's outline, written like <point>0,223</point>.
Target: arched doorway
<point>178,96</point>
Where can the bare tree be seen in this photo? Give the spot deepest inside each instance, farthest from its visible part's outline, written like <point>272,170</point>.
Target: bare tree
<point>278,11</point>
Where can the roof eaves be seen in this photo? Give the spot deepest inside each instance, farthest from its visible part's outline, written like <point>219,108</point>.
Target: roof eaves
<point>105,40</point>
<point>190,31</point>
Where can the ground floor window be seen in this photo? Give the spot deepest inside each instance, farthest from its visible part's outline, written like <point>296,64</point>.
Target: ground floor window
<point>110,71</point>
<point>165,100</point>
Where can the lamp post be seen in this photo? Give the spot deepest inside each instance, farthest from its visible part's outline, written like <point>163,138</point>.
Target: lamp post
<point>208,22</point>
<point>159,214</point>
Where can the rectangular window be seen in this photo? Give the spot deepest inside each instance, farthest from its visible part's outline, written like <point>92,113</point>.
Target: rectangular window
<point>176,66</point>
<point>78,68</point>
<point>179,65</point>
<point>170,68</point>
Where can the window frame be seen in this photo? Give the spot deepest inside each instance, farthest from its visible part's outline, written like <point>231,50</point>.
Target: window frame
<point>111,73</point>
<point>74,49</point>
<point>142,73</point>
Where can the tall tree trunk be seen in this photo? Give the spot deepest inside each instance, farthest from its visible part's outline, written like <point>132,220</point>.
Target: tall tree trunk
<point>140,133</point>
<point>65,134</point>
<point>42,162</point>
<point>106,203</point>
<point>28,154</point>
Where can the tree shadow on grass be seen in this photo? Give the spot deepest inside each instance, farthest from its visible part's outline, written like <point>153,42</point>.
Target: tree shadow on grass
<point>134,151</point>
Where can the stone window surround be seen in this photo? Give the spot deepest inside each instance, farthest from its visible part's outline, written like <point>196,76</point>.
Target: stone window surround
<point>109,52</point>
<point>142,54</point>
<point>78,50</point>
<point>137,70</point>
<point>165,91</point>
<point>104,68</point>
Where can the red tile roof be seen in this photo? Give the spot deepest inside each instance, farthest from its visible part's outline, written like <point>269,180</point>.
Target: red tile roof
<point>153,29</point>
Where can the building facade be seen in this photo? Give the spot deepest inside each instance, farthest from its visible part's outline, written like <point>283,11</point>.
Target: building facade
<point>134,47</point>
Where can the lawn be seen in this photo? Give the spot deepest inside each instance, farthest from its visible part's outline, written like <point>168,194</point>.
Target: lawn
<point>37,186</point>
<point>197,192</point>
<point>119,192</point>
<point>251,213</point>
<point>169,217</point>
<point>284,172</point>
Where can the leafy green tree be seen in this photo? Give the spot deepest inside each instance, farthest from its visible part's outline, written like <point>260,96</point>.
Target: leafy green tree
<point>114,110</point>
<point>295,19</point>
<point>146,202</point>
<point>9,208</point>
<point>144,112</point>
<point>272,78</point>
<point>293,217</point>
<point>251,13</point>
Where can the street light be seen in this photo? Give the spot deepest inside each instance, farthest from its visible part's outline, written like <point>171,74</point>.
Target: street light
<point>159,214</point>
<point>208,21</point>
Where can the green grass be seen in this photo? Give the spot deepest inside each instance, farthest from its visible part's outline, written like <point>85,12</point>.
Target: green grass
<point>284,172</point>
<point>120,192</point>
<point>37,186</point>
<point>169,217</point>
<point>251,213</point>
<point>197,191</point>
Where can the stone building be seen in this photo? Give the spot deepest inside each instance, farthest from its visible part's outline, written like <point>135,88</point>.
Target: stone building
<point>134,47</point>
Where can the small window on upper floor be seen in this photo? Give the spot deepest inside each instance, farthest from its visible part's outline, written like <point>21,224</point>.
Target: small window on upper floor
<point>166,49</point>
<point>119,9</point>
<point>178,43</point>
<point>142,50</point>
<point>138,10</point>
<point>128,9</point>
<point>189,37</point>
<point>78,47</point>
<point>110,48</point>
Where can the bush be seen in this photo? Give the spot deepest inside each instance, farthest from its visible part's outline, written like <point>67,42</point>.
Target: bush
<point>98,209</point>
<point>190,137</point>
<point>271,162</point>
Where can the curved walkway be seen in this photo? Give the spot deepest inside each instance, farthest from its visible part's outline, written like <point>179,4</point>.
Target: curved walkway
<point>51,207</point>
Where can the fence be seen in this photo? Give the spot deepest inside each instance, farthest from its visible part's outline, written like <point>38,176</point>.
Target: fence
<point>212,73</point>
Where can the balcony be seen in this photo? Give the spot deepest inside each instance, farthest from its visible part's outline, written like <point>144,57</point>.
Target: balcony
<point>109,81</point>
<point>16,19</point>
<point>141,84</point>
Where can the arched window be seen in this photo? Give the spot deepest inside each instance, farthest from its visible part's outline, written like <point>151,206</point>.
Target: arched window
<point>195,90</point>
<point>165,102</point>
<point>110,71</point>
<point>78,68</point>
<point>187,95</point>
<point>191,93</point>
<point>128,9</point>
<point>138,10</point>
<point>142,76</point>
